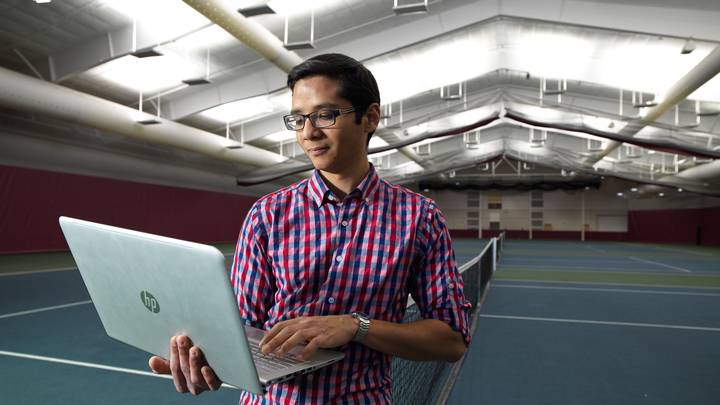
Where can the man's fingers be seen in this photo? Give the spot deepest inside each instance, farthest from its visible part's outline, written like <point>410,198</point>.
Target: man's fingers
<point>158,365</point>
<point>197,361</point>
<point>310,348</point>
<point>295,339</point>
<point>271,342</point>
<point>270,335</point>
<point>212,381</point>
<point>175,369</point>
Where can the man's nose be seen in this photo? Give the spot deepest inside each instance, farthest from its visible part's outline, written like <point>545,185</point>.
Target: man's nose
<point>309,131</point>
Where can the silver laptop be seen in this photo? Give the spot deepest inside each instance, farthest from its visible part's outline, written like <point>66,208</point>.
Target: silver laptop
<point>148,288</point>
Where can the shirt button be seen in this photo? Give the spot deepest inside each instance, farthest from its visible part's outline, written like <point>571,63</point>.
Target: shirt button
<point>338,258</point>
<point>344,223</point>
<point>331,300</point>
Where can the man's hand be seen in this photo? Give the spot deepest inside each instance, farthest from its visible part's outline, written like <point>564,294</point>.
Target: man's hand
<point>316,332</point>
<point>190,370</point>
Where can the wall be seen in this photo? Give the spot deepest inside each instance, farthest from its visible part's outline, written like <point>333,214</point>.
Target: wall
<point>679,218</point>
<point>32,200</point>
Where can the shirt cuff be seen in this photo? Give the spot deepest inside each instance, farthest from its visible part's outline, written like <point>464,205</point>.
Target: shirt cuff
<point>456,317</point>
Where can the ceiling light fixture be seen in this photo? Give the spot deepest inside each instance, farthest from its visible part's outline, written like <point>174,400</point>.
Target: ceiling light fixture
<point>411,8</point>
<point>256,9</point>
<point>147,53</point>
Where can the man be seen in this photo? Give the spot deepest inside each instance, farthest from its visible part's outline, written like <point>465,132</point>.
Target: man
<point>318,261</point>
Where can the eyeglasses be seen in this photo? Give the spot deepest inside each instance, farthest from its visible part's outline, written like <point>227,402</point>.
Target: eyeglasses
<point>322,118</point>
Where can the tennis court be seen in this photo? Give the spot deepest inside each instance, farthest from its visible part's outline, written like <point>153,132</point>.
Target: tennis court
<point>53,348</point>
<point>597,323</point>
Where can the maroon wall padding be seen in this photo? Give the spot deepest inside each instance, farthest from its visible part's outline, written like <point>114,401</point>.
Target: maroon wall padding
<point>32,200</point>
<point>606,236</point>
<point>699,226</point>
<point>464,233</point>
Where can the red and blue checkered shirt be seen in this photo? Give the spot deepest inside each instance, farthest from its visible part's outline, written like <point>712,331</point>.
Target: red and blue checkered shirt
<point>301,252</point>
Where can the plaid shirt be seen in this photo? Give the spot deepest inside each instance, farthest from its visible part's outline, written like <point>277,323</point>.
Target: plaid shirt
<point>301,252</point>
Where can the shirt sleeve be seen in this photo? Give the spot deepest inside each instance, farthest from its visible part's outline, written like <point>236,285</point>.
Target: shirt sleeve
<point>438,290</point>
<point>251,276</point>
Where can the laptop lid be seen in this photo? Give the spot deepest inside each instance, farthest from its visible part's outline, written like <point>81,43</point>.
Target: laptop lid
<point>147,288</point>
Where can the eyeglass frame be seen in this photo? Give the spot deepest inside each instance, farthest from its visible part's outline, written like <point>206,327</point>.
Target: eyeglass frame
<point>313,116</point>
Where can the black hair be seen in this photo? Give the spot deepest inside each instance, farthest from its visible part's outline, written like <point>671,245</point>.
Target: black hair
<point>355,82</point>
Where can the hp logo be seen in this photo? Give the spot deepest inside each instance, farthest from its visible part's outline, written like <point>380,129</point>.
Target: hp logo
<point>150,302</point>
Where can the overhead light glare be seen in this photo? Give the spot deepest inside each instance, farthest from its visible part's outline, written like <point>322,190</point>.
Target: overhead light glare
<point>148,75</point>
<point>249,108</point>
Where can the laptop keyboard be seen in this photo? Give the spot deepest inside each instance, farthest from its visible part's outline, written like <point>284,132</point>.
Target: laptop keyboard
<point>271,362</point>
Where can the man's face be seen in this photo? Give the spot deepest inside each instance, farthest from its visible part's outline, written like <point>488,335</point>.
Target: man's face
<point>336,149</point>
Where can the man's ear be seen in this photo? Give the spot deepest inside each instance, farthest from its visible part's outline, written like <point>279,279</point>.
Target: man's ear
<point>372,117</point>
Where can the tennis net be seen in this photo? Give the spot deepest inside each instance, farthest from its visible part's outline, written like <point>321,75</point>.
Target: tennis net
<point>430,382</point>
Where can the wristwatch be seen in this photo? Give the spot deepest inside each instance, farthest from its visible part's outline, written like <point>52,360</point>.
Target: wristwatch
<point>364,326</point>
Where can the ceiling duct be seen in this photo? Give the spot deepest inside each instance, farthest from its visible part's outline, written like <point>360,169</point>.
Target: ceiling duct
<point>699,75</point>
<point>251,33</point>
<point>28,94</point>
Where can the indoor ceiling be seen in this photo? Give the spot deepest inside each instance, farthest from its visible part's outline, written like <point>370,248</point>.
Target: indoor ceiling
<point>566,85</point>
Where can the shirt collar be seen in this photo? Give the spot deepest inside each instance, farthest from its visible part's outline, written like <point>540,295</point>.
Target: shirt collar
<point>321,193</point>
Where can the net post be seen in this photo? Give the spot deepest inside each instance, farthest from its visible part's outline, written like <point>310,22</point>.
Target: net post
<point>494,253</point>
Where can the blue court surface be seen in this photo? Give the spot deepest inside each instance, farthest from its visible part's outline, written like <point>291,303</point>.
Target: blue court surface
<point>54,350</point>
<point>562,323</point>
<point>638,325</point>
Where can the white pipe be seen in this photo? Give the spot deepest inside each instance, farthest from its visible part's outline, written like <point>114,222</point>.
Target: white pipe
<point>699,75</point>
<point>24,93</point>
<point>224,13</point>
<point>705,172</point>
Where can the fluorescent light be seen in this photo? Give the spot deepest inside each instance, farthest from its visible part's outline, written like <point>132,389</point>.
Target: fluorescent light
<point>295,7</point>
<point>167,18</point>
<point>281,136</point>
<point>209,37</point>
<point>148,75</point>
<point>250,108</point>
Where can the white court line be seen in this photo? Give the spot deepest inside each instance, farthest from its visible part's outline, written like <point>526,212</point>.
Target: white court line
<point>690,252</point>
<point>644,325</point>
<point>659,264</point>
<point>33,311</point>
<point>643,270</point>
<point>90,365</point>
<point>688,287</point>
<point>21,273</point>
<point>622,290</point>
